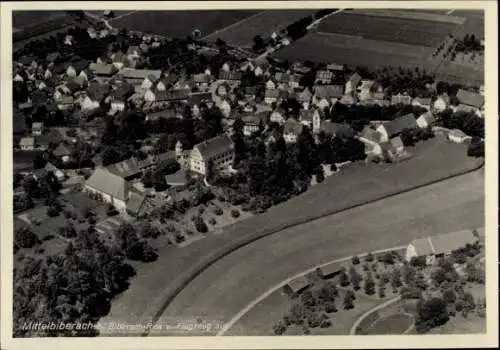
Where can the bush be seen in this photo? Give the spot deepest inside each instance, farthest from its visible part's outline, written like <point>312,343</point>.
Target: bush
<point>52,211</point>
<point>67,231</point>
<point>235,213</point>
<point>111,210</point>
<point>387,258</point>
<point>418,261</point>
<point>355,260</point>
<point>201,210</point>
<point>25,238</point>
<point>91,220</point>
<point>366,267</point>
<point>330,307</point>
<point>326,324</point>
<point>218,211</point>
<point>212,221</point>
<point>200,225</point>
<point>369,257</point>
<point>279,328</point>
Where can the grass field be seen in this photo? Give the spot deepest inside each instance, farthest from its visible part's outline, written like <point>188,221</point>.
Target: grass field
<point>179,24</point>
<point>343,49</point>
<point>402,30</point>
<point>264,23</point>
<point>447,206</point>
<point>21,19</point>
<point>393,324</point>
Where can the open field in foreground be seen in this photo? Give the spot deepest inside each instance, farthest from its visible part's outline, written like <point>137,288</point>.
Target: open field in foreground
<point>179,24</point>
<point>355,185</point>
<point>409,28</point>
<point>235,281</point>
<point>264,24</point>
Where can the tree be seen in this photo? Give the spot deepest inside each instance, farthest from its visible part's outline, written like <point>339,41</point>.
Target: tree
<point>147,179</point>
<point>356,278</point>
<point>449,296</point>
<point>279,328</point>
<point>25,238</point>
<point>159,181</point>
<point>431,313</point>
<point>369,257</point>
<point>320,174</point>
<point>52,211</point>
<point>330,307</point>
<point>349,300</point>
<point>200,225</point>
<point>235,213</point>
<point>396,278</point>
<point>344,279</point>
<point>309,299</point>
<point>476,148</point>
<point>111,155</point>
<point>258,43</point>
<point>355,260</point>
<point>68,230</point>
<point>369,285</point>
<point>328,292</point>
<point>297,313</point>
<point>210,173</point>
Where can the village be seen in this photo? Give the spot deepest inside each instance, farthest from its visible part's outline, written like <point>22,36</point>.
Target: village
<point>114,145</point>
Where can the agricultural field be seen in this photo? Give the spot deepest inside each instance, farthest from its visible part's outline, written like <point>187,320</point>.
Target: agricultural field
<point>21,19</point>
<point>263,23</point>
<point>344,49</point>
<point>180,24</point>
<point>407,28</point>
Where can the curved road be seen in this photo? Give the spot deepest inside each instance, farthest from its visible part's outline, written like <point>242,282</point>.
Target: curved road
<point>230,284</point>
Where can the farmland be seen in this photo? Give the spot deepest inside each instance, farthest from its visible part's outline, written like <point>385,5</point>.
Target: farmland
<point>373,25</point>
<point>180,23</point>
<point>21,19</point>
<point>343,49</point>
<point>264,24</point>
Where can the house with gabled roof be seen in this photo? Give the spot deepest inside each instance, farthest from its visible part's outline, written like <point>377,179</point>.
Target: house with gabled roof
<point>149,81</point>
<point>469,100</point>
<point>306,117</point>
<point>352,83</point>
<point>433,247</point>
<point>336,129</point>
<point>278,116</point>
<point>27,143</point>
<point>422,102</point>
<point>441,103</point>
<point>304,97</point>
<point>400,98</point>
<point>153,95</point>
<point>137,76</point>
<point>271,95</point>
<point>104,69</point>
<point>323,77</point>
<point>128,169</point>
<point>291,130</point>
<point>37,128</point>
<point>120,95</point>
<point>108,187</point>
<point>394,127</point>
<point>76,67</point>
<point>62,152</point>
<point>166,82</point>
<point>232,76</point>
<point>253,122</point>
<point>134,52</point>
<point>426,119</point>
<point>218,150</point>
<point>330,92</point>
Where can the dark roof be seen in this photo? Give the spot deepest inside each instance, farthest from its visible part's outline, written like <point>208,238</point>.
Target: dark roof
<point>98,92</point>
<point>198,97</point>
<point>292,126</point>
<point>273,93</point>
<point>123,91</point>
<point>51,57</point>
<point>18,122</point>
<point>223,75</point>
<point>337,129</point>
<point>62,151</point>
<point>355,79</point>
<point>135,202</point>
<point>470,98</point>
<point>104,181</point>
<point>394,127</point>
<point>171,95</point>
<point>130,73</point>
<point>80,65</point>
<point>105,69</point>
<point>328,91</point>
<point>202,78</point>
<point>214,146</point>
<point>125,168</point>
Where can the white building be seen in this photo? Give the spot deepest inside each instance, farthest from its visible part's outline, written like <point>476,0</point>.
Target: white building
<point>218,150</point>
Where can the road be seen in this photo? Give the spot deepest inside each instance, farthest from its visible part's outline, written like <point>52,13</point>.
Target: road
<point>229,285</point>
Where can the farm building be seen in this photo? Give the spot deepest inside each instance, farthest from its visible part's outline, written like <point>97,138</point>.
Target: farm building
<point>137,76</point>
<point>329,271</point>
<point>127,169</point>
<point>426,119</point>
<point>433,247</point>
<point>110,188</point>
<point>469,100</point>
<point>296,286</point>
<point>330,92</point>
<point>394,127</point>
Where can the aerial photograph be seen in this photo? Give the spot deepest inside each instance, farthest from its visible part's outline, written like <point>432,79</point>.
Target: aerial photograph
<point>256,172</point>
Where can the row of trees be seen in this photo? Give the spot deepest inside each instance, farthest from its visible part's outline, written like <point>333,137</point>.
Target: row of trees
<point>75,286</point>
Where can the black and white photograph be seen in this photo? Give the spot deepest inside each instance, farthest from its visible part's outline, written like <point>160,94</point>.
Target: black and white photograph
<point>288,171</point>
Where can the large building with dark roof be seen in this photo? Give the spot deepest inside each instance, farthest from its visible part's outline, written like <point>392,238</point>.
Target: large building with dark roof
<point>218,150</point>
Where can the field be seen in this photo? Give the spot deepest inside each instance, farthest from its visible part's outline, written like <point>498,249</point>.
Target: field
<point>264,23</point>
<point>425,211</point>
<point>398,27</point>
<point>21,19</point>
<point>180,24</point>
<point>343,49</point>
